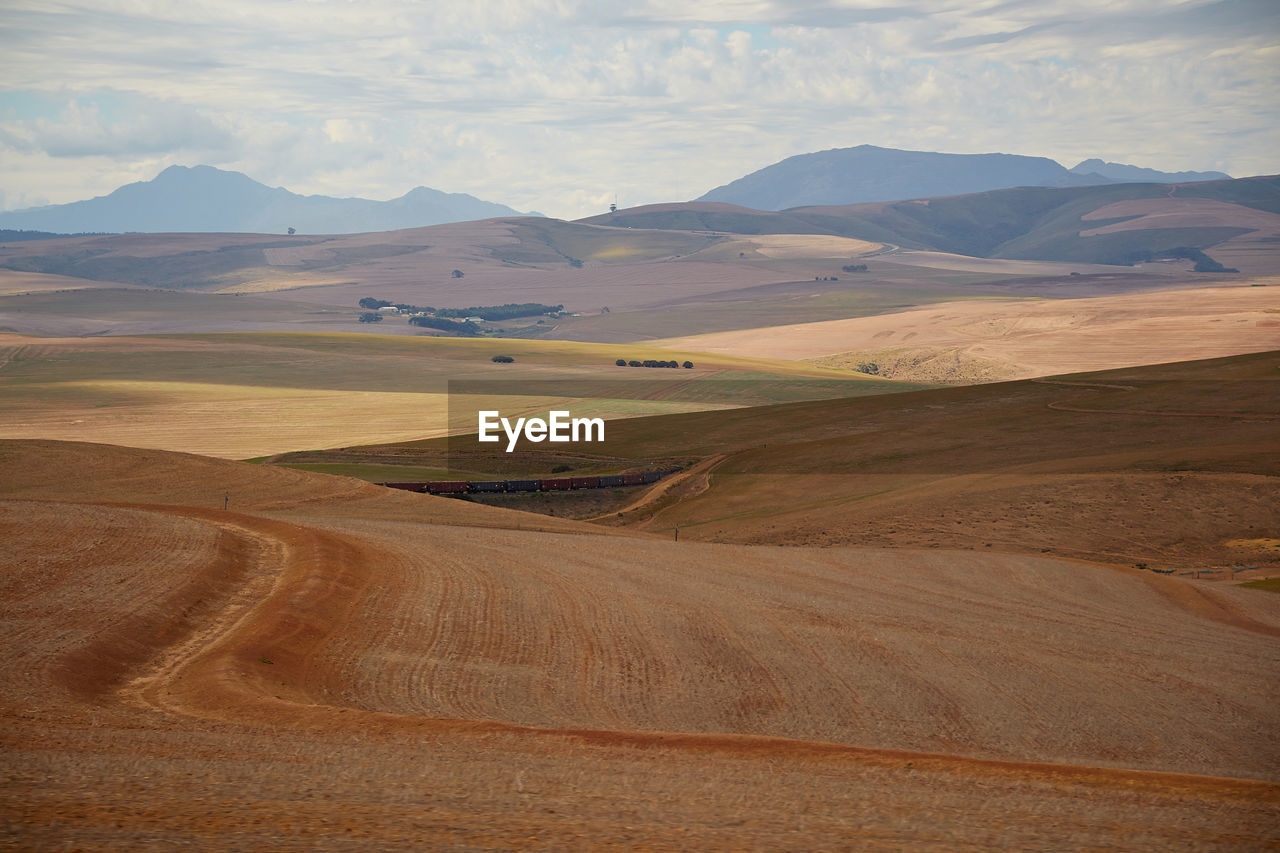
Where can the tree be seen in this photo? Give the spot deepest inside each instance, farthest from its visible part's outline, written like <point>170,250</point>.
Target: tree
<point>622,362</point>
<point>370,317</point>
<point>456,273</point>
<point>688,365</point>
<point>292,231</point>
<point>502,359</point>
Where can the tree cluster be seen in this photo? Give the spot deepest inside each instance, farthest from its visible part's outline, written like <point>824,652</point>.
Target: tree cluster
<point>651,362</point>
<point>370,317</point>
<point>501,312</point>
<point>468,330</point>
<point>854,267</point>
<point>488,312</point>
<point>502,359</point>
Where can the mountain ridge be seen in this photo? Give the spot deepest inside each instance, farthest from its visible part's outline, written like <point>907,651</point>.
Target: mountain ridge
<point>207,199</point>
<point>868,173</point>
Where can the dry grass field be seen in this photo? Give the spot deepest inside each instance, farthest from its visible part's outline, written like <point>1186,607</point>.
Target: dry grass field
<point>246,395</point>
<point>328,664</point>
<point>982,341</point>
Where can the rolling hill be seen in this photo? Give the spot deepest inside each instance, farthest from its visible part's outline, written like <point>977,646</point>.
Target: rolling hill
<point>1168,465</point>
<point>1112,224</point>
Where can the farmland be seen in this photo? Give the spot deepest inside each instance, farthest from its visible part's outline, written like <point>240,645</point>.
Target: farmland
<point>569,698</point>
<point>249,395</point>
<point>1011,589</point>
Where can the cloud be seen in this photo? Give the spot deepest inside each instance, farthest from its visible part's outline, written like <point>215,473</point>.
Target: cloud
<point>113,126</point>
<point>554,104</point>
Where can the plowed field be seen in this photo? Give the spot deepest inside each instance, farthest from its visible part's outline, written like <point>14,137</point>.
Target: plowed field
<point>331,665</point>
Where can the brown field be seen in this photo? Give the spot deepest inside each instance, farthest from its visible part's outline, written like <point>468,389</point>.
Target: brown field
<point>330,664</point>
<point>865,615</point>
<point>1173,466</point>
<point>985,341</point>
<point>1181,213</point>
<point>14,283</point>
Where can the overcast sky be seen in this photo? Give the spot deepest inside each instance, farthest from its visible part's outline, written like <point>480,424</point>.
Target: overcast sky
<point>556,105</point>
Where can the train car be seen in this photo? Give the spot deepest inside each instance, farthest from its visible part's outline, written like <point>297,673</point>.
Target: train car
<point>524,485</point>
<point>632,479</point>
<point>584,482</point>
<point>557,484</point>
<point>487,486</point>
<point>608,481</point>
<point>650,477</point>
<point>408,487</point>
<point>446,487</point>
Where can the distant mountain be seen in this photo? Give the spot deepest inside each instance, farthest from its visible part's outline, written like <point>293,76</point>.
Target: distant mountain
<point>867,173</point>
<point>202,198</point>
<point>1137,174</point>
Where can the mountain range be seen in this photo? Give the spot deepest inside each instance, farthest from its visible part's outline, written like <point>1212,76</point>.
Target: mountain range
<point>205,199</point>
<point>866,173</point>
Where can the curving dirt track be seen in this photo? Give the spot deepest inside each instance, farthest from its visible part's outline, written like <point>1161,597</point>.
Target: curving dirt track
<point>330,665</point>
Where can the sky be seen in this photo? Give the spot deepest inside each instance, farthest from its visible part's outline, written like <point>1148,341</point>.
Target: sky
<point>561,106</point>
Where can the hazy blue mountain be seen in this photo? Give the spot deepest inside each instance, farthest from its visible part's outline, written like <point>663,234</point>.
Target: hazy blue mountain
<point>202,198</point>
<point>867,173</point>
<point>1137,174</point>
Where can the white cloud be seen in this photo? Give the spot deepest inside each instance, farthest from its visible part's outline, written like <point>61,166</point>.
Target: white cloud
<point>556,104</point>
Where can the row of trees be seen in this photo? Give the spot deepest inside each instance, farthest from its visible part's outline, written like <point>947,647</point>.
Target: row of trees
<point>501,312</point>
<point>622,362</point>
<point>460,327</point>
<point>487,312</point>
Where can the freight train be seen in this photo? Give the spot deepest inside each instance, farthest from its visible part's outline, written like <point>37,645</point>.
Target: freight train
<point>545,484</point>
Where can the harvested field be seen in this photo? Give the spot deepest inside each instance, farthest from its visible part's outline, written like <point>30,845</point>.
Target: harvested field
<point>964,342</point>
<point>1166,465</point>
<point>332,664</point>
<point>1140,214</point>
<point>244,396</point>
<point>811,246</point>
